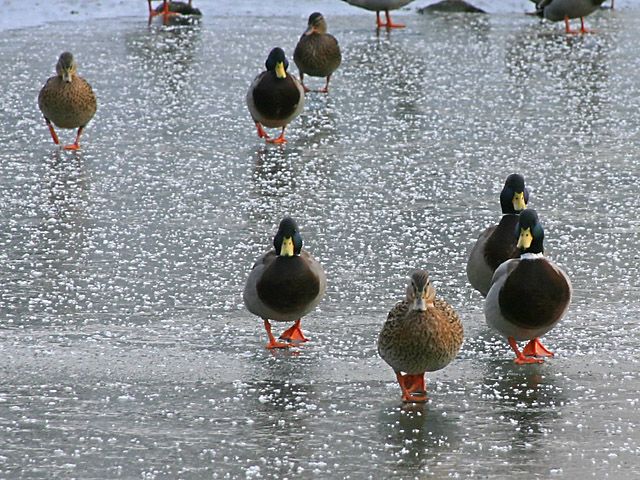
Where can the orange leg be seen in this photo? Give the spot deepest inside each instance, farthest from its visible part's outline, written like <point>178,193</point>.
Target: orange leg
<point>583,29</point>
<point>520,358</point>
<point>389,23</point>
<point>54,135</point>
<point>294,334</point>
<point>326,85</point>
<point>278,140</point>
<point>304,87</point>
<point>75,145</point>
<point>567,26</point>
<point>273,343</point>
<point>261,131</point>
<point>412,386</point>
<point>165,12</point>
<point>535,349</point>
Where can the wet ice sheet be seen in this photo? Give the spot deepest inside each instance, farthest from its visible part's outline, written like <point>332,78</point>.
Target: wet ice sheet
<point>126,349</point>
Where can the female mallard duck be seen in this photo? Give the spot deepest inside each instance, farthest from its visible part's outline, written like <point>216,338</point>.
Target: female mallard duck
<point>285,284</point>
<point>275,97</point>
<point>422,334</point>
<point>379,6</point>
<point>67,100</point>
<point>317,53</point>
<point>556,10</point>
<point>528,295</point>
<point>497,244</point>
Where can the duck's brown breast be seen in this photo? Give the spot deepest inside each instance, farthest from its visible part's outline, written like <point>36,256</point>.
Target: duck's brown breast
<point>288,285</point>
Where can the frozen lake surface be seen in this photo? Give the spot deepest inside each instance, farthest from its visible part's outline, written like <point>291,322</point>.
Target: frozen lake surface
<point>125,349</point>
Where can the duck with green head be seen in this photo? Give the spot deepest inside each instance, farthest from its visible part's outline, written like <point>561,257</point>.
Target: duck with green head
<point>496,244</point>
<point>422,334</point>
<point>528,295</point>
<point>275,98</point>
<point>67,100</point>
<point>285,284</point>
<point>317,53</point>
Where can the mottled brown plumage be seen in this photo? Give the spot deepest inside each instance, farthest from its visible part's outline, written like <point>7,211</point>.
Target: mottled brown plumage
<point>317,53</point>
<point>67,100</point>
<point>422,334</point>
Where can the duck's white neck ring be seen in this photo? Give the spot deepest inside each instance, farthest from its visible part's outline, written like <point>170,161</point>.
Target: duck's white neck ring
<point>531,256</point>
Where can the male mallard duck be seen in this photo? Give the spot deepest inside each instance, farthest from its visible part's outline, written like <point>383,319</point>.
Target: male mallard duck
<point>556,10</point>
<point>317,53</point>
<point>285,284</point>
<point>67,100</point>
<point>422,334</point>
<point>275,97</point>
<point>497,244</point>
<point>170,9</point>
<point>528,295</point>
<point>379,6</point>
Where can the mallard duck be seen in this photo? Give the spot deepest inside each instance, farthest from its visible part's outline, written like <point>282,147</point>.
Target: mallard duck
<point>317,53</point>
<point>67,100</point>
<point>497,244</point>
<point>170,9</point>
<point>422,334</point>
<point>528,295</point>
<point>275,97</point>
<point>285,284</point>
<point>556,10</point>
<point>381,6</point>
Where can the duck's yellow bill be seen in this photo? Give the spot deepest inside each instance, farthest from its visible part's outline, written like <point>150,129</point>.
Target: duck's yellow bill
<point>518,201</point>
<point>280,72</point>
<point>287,247</point>
<point>525,238</point>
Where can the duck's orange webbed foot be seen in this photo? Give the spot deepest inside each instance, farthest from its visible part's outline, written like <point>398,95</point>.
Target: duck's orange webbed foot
<point>279,140</point>
<point>412,386</point>
<point>535,349</point>
<point>273,343</point>
<point>389,23</point>
<point>520,358</point>
<point>72,146</point>
<point>294,334</point>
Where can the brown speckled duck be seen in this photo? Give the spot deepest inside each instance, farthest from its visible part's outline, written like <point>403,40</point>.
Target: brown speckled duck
<point>285,284</point>
<point>497,244</point>
<point>67,100</point>
<point>528,295</point>
<point>275,98</point>
<point>422,334</point>
<point>317,53</point>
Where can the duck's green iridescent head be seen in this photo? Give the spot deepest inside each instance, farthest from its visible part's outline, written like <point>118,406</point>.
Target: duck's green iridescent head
<point>514,195</point>
<point>288,241</point>
<point>529,232</point>
<point>66,66</point>
<point>277,62</point>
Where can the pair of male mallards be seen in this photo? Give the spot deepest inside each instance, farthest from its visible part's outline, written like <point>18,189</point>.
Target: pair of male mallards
<point>526,293</point>
<point>275,97</point>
